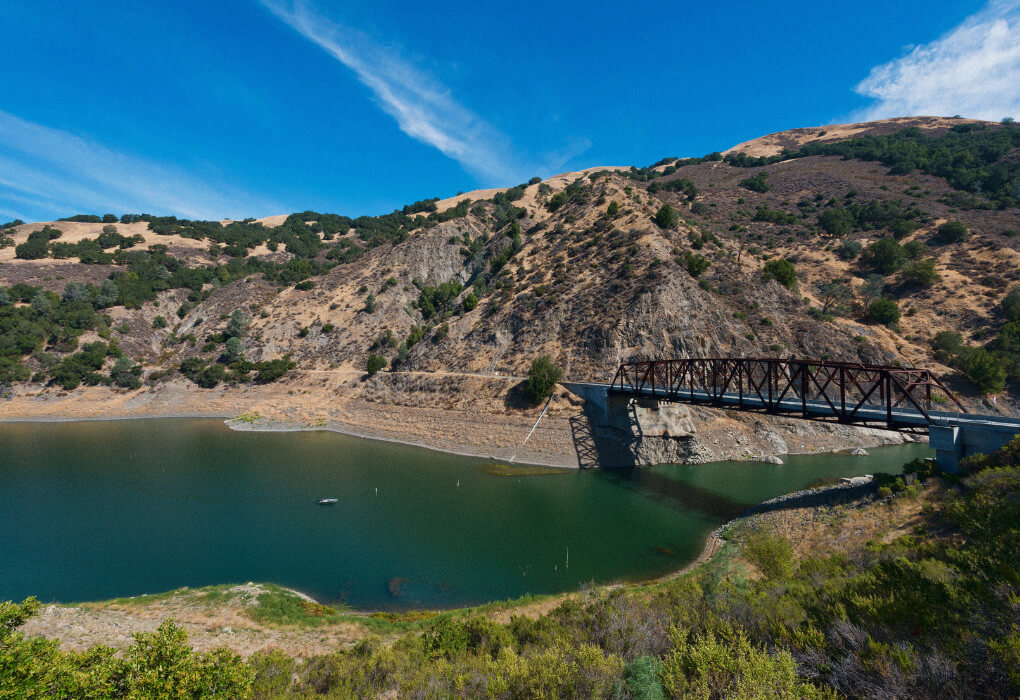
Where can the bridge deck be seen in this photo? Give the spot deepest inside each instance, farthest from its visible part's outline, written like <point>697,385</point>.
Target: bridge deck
<point>901,418</point>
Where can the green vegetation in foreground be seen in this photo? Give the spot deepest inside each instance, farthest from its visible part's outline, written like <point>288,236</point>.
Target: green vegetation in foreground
<point>931,613</point>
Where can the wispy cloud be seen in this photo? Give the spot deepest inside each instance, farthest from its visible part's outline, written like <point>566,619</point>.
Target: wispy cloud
<point>48,172</point>
<point>423,108</point>
<point>974,71</point>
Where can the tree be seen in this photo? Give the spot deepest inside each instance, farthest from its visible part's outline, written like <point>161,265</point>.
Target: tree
<point>694,263</point>
<point>834,296</point>
<point>370,304</point>
<point>986,370</point>
<point>613,209</point>
<point>920,273</point>
<point>233,349</point>
<point>872,289</point>
<point>757,183</point>
<point>836,221</point>
<point>159,322</point>
<point>374,364</point>
<point>885,255</point>
<point>5,298</point>
<point>848,250</point>
<point>884,311</point>
<point>666,217</point>
<point>952,232</point>
<point>782,271</point>
<point>542,378</point>
<point>237,326</point>
<point>470,301</point>
<point>1010,305</point>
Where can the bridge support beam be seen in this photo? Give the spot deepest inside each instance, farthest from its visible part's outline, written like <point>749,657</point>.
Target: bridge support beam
<point>953,443</point>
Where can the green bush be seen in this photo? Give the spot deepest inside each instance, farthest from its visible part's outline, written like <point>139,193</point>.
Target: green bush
<point>986,370</point>
<point>884,311</point>
<point>920,273</point>
<point>757,183</point>
<point>952,232</point>
<point>694,263</point>
<point>542,379</point>
<point>770,552</point>
<point>836,221</point>
<point>782,271</point>
<point>885,256</point>
<point>666,217</point>
<point>374,364</point>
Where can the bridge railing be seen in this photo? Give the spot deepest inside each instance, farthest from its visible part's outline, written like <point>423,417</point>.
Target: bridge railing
<point>848,392</point>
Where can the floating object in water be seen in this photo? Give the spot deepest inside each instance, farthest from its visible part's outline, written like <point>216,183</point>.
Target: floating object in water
<point>376,490</point>
<point>327,501</point>
<point>458,483</point>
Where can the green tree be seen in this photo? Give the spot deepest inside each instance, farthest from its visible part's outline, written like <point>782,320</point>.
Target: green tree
<point>237,326</point>
<point>835,296</point>
<point>920,273</point>
<point>836,221</point>
<point>233,349</point>
<point>1010,304</point>
<point>782,271</point>
<point>885,255</point>
<point>694,263</point>
<point>952,232</point>
<point>666,217</point>
<point>872,289</point>
<point>470,301</point>
<point>884,311</point>
<point>542,378</point>
<point>374,364</point>
<point>986,370</point>
<point>613,209</point>
<point>757,183</point>
<point>370,304</point>
<point>159,322</point>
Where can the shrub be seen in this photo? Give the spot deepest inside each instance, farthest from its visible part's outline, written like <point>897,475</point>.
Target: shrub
<point>770,552</point>
<point>374,364</point>
<point>1010,304</point>
<point>920,273</point>
<point>542,378</point>
<point>848,250</point>
<point>884,311</point>
<point>694,263</point>
<point>986,370</point>
<point>757,183</point>
<point>470,301</point>
<point>782,271</point>
<point>613,209</point>
<point>885,256</point>
<point>159,322</point>
<point>666,217</point>
<point>952,232</point>
<point>836,221</point>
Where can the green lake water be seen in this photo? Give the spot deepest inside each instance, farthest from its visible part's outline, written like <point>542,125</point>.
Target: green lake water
<point>96,510</point>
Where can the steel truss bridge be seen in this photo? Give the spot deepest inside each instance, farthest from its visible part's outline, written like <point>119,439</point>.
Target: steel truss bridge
<point>896,398</point>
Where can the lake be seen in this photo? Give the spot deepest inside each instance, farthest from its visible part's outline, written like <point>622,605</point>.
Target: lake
<point>95,510</point>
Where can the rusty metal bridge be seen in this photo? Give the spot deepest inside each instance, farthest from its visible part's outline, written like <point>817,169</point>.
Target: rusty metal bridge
<point>885,396</point>
<point>900,398</point>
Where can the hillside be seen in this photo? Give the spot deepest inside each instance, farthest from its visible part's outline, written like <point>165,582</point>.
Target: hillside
<point>590,268</point>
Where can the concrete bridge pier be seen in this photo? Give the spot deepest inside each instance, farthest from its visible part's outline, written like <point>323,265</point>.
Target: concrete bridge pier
<point>954,442</point>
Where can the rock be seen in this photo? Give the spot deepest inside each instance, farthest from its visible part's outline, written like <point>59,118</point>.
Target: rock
<point>858,452</point>
<point>772,459</point>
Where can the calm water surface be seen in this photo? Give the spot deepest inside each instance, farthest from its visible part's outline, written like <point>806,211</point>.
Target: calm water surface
<point>98,510</point>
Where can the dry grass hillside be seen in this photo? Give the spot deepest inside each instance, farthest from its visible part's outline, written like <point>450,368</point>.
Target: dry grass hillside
<point>575,267</point>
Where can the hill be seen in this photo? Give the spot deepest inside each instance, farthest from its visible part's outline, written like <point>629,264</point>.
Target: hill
<point>591,268</point>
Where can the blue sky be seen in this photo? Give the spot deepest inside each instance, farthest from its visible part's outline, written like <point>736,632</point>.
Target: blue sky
<point>238,108</point>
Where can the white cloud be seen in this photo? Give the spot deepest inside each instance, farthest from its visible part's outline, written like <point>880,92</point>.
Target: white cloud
<point>973,71</point>
<point>423,108</point>
<point>56,173</point>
